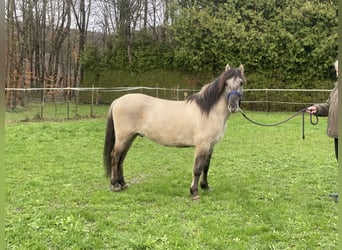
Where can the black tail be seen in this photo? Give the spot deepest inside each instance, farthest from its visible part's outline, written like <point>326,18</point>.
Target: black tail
<point>109,144</point>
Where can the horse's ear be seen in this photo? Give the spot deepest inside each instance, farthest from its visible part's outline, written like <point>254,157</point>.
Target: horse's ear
<point>241,68</point>
<point>227,67</point>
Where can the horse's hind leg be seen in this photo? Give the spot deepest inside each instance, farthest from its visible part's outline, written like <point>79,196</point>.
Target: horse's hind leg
<point>121,178</point>
<point>119,154</point>
<point>116,159</point>
<point>204,181</point>
<point>117,180</point>
<point>114,179</point>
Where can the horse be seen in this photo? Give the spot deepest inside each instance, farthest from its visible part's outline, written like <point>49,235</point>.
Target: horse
<point>198,121</point>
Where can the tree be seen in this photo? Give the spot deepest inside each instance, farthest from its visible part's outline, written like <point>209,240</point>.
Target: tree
<point>82,13</point>
<point>60,21</point>
<point>35,45</point>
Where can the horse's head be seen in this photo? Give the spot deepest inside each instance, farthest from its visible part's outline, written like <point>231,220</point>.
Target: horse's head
<point>234,80</point>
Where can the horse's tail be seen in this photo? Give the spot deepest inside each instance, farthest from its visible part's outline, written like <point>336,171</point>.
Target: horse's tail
<point>109,143</point>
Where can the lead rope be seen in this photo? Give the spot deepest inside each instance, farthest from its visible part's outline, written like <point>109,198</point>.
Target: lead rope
<point>302,111</point>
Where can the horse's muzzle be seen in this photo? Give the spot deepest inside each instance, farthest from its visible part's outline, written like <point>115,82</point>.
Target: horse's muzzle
<point>234,100</point>
<point>233,109</point>
<point>234,104</point>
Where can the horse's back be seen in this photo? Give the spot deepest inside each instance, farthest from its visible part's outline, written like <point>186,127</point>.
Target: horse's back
<point>141,105</point>
<point>165,121</point>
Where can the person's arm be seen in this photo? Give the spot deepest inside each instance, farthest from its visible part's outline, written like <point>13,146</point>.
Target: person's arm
<point>320,109</point>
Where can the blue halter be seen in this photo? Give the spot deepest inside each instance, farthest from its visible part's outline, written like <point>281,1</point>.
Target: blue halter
<point>234,92</point>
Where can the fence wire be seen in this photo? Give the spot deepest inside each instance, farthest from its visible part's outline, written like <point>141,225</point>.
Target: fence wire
<point>26,104</point>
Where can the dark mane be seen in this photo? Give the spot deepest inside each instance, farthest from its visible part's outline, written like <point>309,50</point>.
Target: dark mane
<point>211,92</point>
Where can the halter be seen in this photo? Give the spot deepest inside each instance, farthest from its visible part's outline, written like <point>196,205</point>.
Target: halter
<point>234,92</point>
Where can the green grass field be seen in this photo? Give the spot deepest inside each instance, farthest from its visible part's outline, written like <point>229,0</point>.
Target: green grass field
<point>55,112</point>
<point>269,190</point>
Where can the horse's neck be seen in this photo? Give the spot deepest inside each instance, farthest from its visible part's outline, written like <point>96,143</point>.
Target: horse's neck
<point>222,109</point>
<point>220,115</point>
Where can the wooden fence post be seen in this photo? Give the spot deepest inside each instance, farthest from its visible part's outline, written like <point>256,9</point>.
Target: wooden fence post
<point>92,101</point>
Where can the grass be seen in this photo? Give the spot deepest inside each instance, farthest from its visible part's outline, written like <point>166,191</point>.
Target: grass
<point>55,112</point>
<point>269,190</point>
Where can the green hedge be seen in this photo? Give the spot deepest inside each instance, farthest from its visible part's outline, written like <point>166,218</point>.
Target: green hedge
<point>286,44</point>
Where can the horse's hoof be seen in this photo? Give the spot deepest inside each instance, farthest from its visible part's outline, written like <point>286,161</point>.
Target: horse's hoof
<point>205,187</point>
<point>124,186</point>
<point>194,194</point>
<point>195,197</point>
<point>116,188</point>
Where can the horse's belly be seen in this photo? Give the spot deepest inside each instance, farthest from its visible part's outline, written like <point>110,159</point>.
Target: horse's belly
<point>178,144</point>
<point>174,137</point>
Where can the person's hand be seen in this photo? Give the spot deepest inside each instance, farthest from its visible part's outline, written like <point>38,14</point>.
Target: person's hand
<point>311,109</point>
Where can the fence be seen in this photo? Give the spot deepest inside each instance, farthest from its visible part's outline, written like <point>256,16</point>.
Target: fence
<point>71,103</point>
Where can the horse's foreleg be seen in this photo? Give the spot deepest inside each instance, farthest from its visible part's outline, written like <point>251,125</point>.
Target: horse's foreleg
<point>204,181</point>
<point>200,161</point>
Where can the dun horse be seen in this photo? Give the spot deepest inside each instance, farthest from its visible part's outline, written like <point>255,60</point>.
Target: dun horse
<point>199,122</point>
